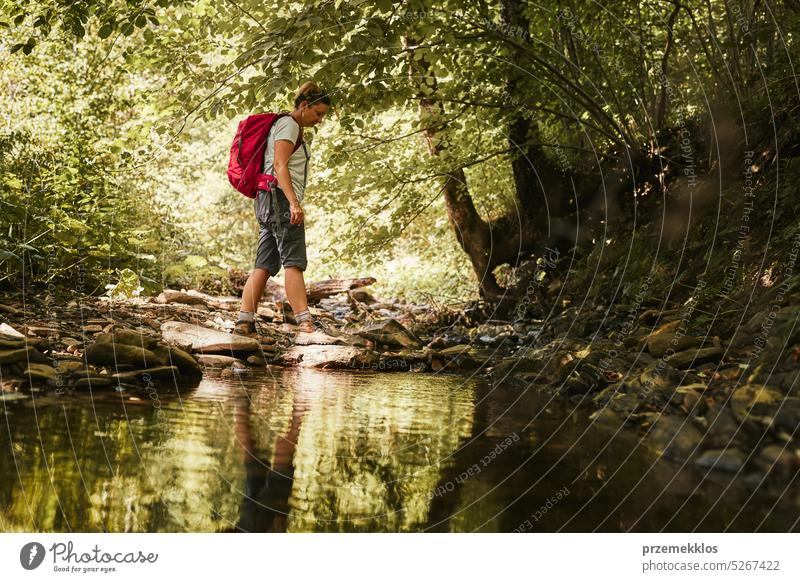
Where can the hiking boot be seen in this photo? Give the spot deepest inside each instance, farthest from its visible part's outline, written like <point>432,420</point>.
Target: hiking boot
<point>312,325</point>
<point>245,328</point>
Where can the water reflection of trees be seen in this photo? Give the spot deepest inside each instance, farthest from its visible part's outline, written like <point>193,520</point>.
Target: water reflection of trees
<point>365,458</point>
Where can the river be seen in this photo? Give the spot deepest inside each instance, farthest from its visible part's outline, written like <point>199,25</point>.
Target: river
<point>304,450</point>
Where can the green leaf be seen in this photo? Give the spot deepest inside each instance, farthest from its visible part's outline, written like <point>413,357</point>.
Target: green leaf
<point>105,30</point>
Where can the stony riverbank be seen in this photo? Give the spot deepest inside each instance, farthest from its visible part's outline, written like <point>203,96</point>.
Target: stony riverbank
<point>727,404</point>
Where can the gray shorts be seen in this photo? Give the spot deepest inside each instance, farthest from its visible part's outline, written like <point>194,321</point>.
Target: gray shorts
<point>278,244</point>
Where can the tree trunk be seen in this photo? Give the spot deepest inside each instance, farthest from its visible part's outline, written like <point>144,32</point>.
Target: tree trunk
<point>472,232</point>
<point>540,185</point>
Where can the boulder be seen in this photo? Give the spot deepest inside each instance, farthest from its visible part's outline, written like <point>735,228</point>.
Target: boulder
<point>106,353</point>
<point>390,332</point>
<point>127,337</point>
<point>328,356</point>
<point>169,356</point>
<point>204,340</point>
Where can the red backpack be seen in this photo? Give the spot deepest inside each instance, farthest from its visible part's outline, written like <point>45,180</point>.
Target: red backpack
<point>247,153</point>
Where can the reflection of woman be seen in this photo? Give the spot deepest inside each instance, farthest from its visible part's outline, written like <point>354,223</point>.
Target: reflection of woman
<point>282,238</point>
<point>265,506</point>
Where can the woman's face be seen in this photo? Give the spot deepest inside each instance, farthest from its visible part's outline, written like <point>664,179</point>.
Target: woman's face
<point>313,115</point>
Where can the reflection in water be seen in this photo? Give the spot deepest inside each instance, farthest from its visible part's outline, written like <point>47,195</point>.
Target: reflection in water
<point>325,451</point>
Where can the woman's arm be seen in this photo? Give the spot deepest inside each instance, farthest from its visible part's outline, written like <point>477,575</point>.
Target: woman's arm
<point>283,151</point>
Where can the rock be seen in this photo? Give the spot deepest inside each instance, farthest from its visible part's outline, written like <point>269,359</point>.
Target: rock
<point>390,332</point>
<point>92,382</point>
<point>92,328</point>
<point>779,458</point>
<point>787,418</point>
<point>105,353</point>
<point>674,437</point>
<point>172,296</point>
<point>206,340</point>
<point>128,338</point>
<point>667,337</point>
<point>70,367</point>
<point>40,372</point>
<point>170,356</point>
<point>316,338</point>
<point>721,460</point>
<point>658,376</point>
<point>256,360</point>
<point>745,397</point>
<point>266,313</point>
<point>216,361</point>
<point>691,358</point>
<point>25,354</point>
<point>7,330</point>
<point>157,373</point>
<point>328,357</point>
<point>8,342</point>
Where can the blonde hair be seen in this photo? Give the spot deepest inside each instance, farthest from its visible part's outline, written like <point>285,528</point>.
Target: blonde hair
<point>311,92</point>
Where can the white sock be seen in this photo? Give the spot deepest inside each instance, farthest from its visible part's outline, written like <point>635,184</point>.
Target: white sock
<point>302,316</point>
<point>247,316</point>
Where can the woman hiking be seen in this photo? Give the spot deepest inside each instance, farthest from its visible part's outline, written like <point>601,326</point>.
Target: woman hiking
<point>282,235</point>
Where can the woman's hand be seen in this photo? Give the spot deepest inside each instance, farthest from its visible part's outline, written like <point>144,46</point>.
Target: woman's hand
<point>297,213</point>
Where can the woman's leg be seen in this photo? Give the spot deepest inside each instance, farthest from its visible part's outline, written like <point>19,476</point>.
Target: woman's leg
<point>296,289</point>
<point>254,289</point>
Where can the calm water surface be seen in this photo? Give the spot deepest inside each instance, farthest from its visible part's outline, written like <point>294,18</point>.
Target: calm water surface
<point>306,450</point>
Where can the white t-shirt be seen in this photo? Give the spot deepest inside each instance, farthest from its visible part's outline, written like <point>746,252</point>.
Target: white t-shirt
<point>287,128</point>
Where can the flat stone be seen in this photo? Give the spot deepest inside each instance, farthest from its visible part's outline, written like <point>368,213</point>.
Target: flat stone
<point>692,358</point>
<point>7,330</point>
<point>110,354</point>
<point>129,338</point>
<point>316,338</point>
<point>206,340</point>
<point>721,460</point>
<point>92,382</point>
<point>25,354</point>
<point>157,373</point>
<point>216,361</point>
<point>327,356</point>
<point>390,332</point>
<point>40,372</point>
